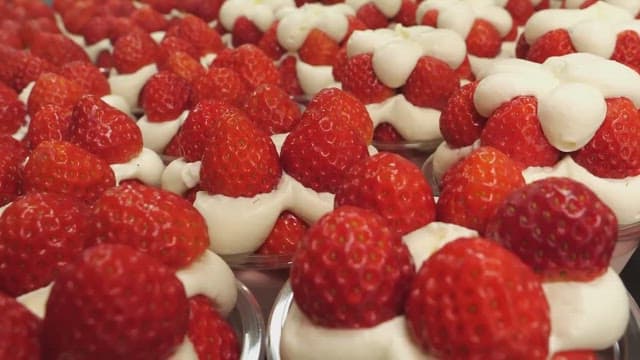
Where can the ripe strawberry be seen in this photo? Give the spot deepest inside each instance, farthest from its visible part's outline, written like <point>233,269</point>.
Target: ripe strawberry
<point>53,89</point>
<point>483,39</point>
<point>212,336</point>
<point>133,51</point>
<point>251,63</point>
<point>614,150</point>
<point>194,30</point>
<point>153,221</point>
<point>344,107</point>
<point>520,10</point>
<point>269,43</point>
<point>163,6</point>
<point>627,50</point>
<point>97,29</point>
<point>10,34</point>
<point>359,78</point>
<point>220,83</point>
<point>272,110</point>
<point>340,64</point>
<point>76,16</point>
<point>32,250</point>
<point>51,122</point>
<point>285,235</point>
<point>351,270</point>
<point>431,83</point>
<point>19,331</point>
<point>407,13</point>
<point>57,48</point>
<point>12,110</point>
<point>104,130</point>
<point>26,68</point>
<point>318,48</point>
<point>183,65</point>
<point>554,43</point>
<point>575,355</point>
<point>373,18</point>
<point>460,123</point>
<point>105,60</point>
<point>289,76</point>
<point>239,159</point>
<point>149,19</point>
<point>385,133</point>
<point>99,309</point>
<point>88,76</point>
<point>121,26</point>
<point>319,152</point>
<point>514,129</point>
<point>172,44</point>
<point>430,18</point>
<point>558,227</point>
<point>206,10</point>
<point>407,203</point>
<point>473,299</point>
<point>245,32</point>
<point>63,168</point>
<point>475,186</point>
<point>165,96</point>
<point>12,155</point>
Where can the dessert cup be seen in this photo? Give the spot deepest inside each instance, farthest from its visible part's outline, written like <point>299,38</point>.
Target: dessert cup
<point>248,322</point>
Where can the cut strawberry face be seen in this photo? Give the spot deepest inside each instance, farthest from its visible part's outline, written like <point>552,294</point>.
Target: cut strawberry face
<point>21,330</point>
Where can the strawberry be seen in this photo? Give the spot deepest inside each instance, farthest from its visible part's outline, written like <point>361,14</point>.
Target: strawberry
<point>121,26</point>
<point>483,39</point>
<point>97,29</point>
<point>474,187</point>
<point>206,10</point>
<point>245,32</point>
<point>385,133</point>
<point>407,203</point>
<point>53,89</point>
<point>575,355</point>
<point>98,309</point>
<point>172,44</point>
<point>88,76</point>
<point>522,47</point>
<point>558,227</point>
<point>269,42</point>
<point>165,96</point>
<point>104,130</point>
<point>554,43</point>
<point>149,19</point>
<point>104,60</point>
<point>359,78</point>
<point>32,250</point>
<point>460,123</point>
<point>289,76</point>
<point>12,110</point>
<point>76,16</point>
<point>614,150</point>
<point>351,270</point>
<point>344,107</point>
<point>514,129</point>
<point>340,64</point>
<point>63,168</point>
<point>57,49</point>
<point>26,68</point>
<point>272,110</point>
<point>371,16</point>
<point>194,30</point>
<point>285,235</point>
<point>431,83</point>
<point>51,122</point>
<point>627,50</point>
<point>520,10</point>
<point>473,299</point>
<point>133,51</point>
<point>19,331</point>
<point>163,6</point>
<point>34,26</point>
<point>12,155</point>
<point>10,34</point>
<point>220,83</point>
<point>183,65</point>
<point>319,152</point>
<point>153,221</point>
<point>239,159</point>
<point>212,336</point>
<point>407,13</point>
<point>251,63</point>
<point>318,48</point>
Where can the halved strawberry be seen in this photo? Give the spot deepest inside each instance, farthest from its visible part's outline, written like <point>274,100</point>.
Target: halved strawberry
<point>88,76</point>
<point>554,43</point>
<point>53,89</point>
<point>193,29</point>
<point>133,51</point>
<point>212,336</point>
<point>245,32</point>
<point>165,96</point>
<point>460,123</point>
<point>483,39</point>
<point>359,78</point>
<point>369,14</point>
<point>20,331</point>
<point>220,83</point>
<point>627,50</point>
<point>57,49</point>
<point>431,83</point>
<point>12,155</point>
<point>272,110</point>
<point>251,63</point>
<point>285,235</point>
<point>318,48</point>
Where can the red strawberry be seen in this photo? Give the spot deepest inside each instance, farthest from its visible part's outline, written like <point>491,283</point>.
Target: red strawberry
<point>10,35</point>
<point>344,107</point>
<point>285,235</point>
<point>340,64</point>
<point>359,78</point>
<point>121,26</point>
<point>105,60</point>
<point>220,83</point>
<point>88,76</point>
<point>26,68</point>
<point>474,187</point>
<point>77,15</point>
<point>193,29</point>
<point>554,43</point>
<point>430,18</point>
<point>627,50</point>
<point>12,155</point>
<point>57,48</point>
<point>19,331</point>
<point>520,10</point>
<point>473,299</point>
<point>206,10</point>
<point>60,167</point>
<point>558,227</point>
<point>353,24</point>
<point>133,51</point>
<point>149,19</point>
<point>51,122</point>
<point>245,32</point>
<point>289,76</point>
<point>385,133</point>
<point>407,13</point>
<point>522,47</point>
<point>319,152</point>
<point>614,150</point>
<point>514,129</point>
<point>183,65</point>
<point>212,336</point>
<point>575,355</point>
<point>239,159</point>
<point>165,96</point>
<point>373,18</point>
<point>97,29</point>
<point>460,123</point>
<point>269,43</point>
<point>483,39</point>
<point>151,220</point>
<point>163,6</point>
<point>99,309</point>
<point>53,89</point>
<point>32,250</point>
<point>12,110</point>
<point>431,83</point>
<point>318,48</point>
<point>104,130</point>
<point>272,110</point>
<point>351,270</point>
<point>407,203</point>
<point>172,44</point>
<point>251,63</point>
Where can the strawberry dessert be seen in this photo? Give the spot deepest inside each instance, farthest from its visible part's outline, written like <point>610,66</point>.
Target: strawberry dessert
<point>377,14</point>
<point>633,7</point>
<point>248,20</point>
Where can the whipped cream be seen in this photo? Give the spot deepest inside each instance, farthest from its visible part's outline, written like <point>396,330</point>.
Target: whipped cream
<point>414,123</point>
<point>129,85</point>
<point>147,167</point>
<point>157,135</point>
<point>313,78</point>
<point>260,12</point>
<point>92,50</point>
<point>389,8</point>
<point>459,15</point>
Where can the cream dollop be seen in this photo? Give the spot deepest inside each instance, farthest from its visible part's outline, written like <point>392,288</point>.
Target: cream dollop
<point>147,167</point>
<point>459,15</point>
<point>414,123</point>
<point>260,12</point>
<point>157,135</point>
<point>389,8</point>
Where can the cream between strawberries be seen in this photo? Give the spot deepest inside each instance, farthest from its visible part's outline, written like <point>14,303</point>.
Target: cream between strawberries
<point>459,15</point>
<point>389,8</point>
<point>261,13</point>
